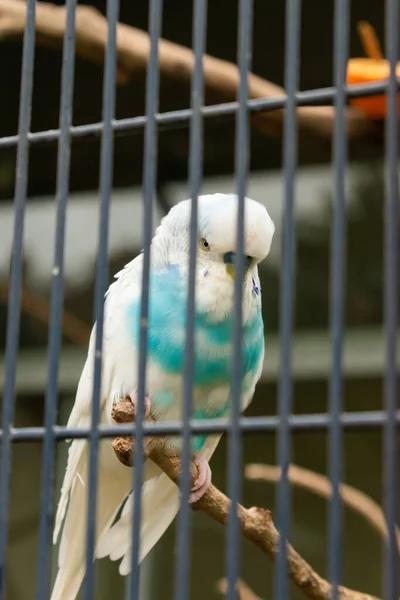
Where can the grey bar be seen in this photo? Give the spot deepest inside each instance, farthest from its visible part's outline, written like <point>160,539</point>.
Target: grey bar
<point>337,293</point>
<point>318,422</point>
<point>180,118</point>
<point>14,299</point>
<point>287,290</point>
<point>242,159</point>
<point>149,188</point>
<point>182,568</point>
<point>56,310</point>
<point>391,304</point>
<point>106,176</point>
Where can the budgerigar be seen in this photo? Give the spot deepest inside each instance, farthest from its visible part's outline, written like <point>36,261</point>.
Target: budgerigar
<point>215,276</point>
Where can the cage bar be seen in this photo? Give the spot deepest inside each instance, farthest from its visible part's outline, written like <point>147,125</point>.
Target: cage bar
<point>391,304</point>
<point>370,419</point>
<point>149,186</point>
<point>57,297</point>
<point>337,292</point>
<point>16,272</point>
<point>106,176</point>
<point>180,118</point>
<point>182,568</point>
<point>242,160</point>
<point>287,289</point>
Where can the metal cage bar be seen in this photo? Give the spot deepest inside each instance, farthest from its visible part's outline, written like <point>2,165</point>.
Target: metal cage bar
<point>57,297</point>
<point>181,118</point>
<point>182,568</point>
<point>287,289</point>
<point>14,300</point>
<point>314,422</point>
<point>149,185</point>
<point>106,175</point>
<point>242,160</point>
<point>391,304</point>
<point>337,291</point>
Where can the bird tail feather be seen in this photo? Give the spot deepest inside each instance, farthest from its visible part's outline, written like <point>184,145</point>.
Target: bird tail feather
<point>160,504</point>
<point>114,485</point>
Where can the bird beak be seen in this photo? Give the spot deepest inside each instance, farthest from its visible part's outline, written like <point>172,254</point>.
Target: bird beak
<point>230,260</point>
<point>230,271</point>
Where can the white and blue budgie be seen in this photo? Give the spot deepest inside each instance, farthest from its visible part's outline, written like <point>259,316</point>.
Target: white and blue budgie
<point>215,273</point>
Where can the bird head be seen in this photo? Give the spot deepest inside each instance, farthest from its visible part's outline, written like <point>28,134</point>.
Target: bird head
<point>217,241</point>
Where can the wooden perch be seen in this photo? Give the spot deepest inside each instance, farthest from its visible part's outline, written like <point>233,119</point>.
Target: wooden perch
<point>321,486</point>
<point>245,593</point>
<point>176,64</point>
<point>256,523</point>
<point>38,307</point>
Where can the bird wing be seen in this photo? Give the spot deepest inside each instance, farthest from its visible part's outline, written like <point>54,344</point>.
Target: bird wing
<point>114,480</point>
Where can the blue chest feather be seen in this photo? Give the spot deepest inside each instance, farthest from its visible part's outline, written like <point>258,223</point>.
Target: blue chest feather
<point>213,341</point>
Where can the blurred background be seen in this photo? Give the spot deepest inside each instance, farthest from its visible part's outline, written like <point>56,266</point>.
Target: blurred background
<point>364,341</point>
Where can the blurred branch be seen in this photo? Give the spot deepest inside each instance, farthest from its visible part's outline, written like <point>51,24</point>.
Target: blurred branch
<point>245,593</point>
<point>176,64</point>
<point>321,486</point>
<point>73,328</point>
<point>256,523</point>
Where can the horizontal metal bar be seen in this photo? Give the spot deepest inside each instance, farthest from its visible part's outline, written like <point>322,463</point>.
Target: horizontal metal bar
<point>350,420</point>
<point>181,118</point>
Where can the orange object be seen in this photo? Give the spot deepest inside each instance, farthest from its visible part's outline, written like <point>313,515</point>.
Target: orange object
<point>368,70</point>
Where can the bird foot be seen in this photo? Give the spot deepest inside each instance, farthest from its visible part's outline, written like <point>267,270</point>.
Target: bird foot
<point>125,411</point>
<point>202,482</point>
<point>147,405</point>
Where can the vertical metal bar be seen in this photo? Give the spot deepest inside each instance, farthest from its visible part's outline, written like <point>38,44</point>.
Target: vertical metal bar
<point>182,570</point>
<point>106,175</point>
<point>14,298</point>
<point>66,404</point>
<point>242,159</point>
<point>287,291</point>
<point>149,186</point>
<point>57,295</point>
<point>391,302</point>
<point>337,291</point>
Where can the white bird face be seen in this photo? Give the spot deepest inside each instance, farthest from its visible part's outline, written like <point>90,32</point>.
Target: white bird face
<point>216,247</point>
<point>217,234</point>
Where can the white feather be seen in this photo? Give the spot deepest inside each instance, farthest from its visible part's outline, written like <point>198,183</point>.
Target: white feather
<point>160,505</point>
<point>114,485</point>
<point>114,480</point>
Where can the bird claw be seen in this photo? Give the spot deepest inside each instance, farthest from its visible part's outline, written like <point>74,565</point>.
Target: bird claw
<point>203,480</point>
<point>123,413</point>
<point>147,405</point>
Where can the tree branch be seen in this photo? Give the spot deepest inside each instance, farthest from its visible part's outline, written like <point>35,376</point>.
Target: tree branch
<point>176,64</point>
<point>38,307</point>
<point>256,523</point>
<point>245,593</point>
<point>320,485</point>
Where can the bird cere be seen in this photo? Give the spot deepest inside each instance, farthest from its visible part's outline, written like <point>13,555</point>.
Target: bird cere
<point>214,316</point>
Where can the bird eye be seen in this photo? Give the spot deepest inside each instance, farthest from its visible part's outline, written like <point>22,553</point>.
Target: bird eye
<point>204,245</point>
